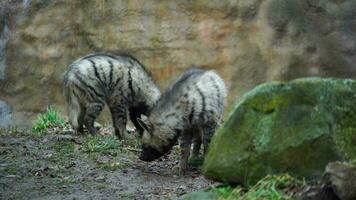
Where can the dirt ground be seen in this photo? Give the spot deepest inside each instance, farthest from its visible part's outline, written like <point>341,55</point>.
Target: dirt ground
<point>64,165</point>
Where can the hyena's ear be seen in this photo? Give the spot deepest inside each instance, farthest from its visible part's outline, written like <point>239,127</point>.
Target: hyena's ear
<point>145,123</point>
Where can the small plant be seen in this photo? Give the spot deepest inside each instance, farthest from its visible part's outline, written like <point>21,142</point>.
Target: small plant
<point>64,148</point>
<point>175,153</point>
<point>65,152</point>
<point>101,144</point>
<point>224,191</point>
<point>115,166</point>
<point>273,187</point>
<point>49,119</point>
<point>133,142</point>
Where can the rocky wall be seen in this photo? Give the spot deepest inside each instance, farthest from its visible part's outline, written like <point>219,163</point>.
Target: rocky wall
<point>246,42</point>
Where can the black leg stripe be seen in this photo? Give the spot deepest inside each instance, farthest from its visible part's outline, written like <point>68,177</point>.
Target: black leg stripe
<point>96,71</point>
<point>170,115</point>
<point>216,88</point>
<point>105,80</point>
<point>218,95</point>
<point>201,114</point>
<point>89,86</point>
<point>130,83</point>
<point>92,115</point>
<point>92,96</point>
<point>111,72</point>
<point>116,82</point>
<point>192,112</point>
<point>117,115</point>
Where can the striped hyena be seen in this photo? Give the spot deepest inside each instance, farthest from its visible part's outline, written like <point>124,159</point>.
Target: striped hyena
<point>191,109</point>
<point>120,81</point>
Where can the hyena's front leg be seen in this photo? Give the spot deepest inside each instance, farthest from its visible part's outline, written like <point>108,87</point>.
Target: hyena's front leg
<point>208,133</point>
<point>92,112</point>
<point>133,118</point>
<point>185,145</point>
<point>119,118</point>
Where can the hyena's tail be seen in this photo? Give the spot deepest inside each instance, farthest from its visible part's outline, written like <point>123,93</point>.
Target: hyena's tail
<point>74,110</point>
<point>74,106</point>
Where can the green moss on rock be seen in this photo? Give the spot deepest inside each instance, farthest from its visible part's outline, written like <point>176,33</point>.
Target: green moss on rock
<point>296,127</point>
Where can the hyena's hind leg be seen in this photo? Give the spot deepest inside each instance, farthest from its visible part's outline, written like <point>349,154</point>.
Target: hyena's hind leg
<point>197,140</point>
<point>208,133</point>
<point>119,119</point>
<point>92,112</point>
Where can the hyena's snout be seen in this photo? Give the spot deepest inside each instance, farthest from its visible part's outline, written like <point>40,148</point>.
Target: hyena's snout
<point>149,154</point>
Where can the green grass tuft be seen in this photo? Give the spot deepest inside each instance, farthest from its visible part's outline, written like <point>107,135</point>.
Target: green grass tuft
<point>115,166</point>
<point>134,142</point>
<point>101,144</point>
<point>271,187</point>
<point>49,119</point>
<point>64,152</point>
<point>225,191</point>
<point>64,148</point>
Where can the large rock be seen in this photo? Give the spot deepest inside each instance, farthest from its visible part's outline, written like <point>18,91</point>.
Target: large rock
<point>247,41</point>
<point>296,127</point>
<point>343,179</point>
<point>5,116</point>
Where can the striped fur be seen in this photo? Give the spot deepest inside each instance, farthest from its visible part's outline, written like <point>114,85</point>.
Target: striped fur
<point>120,81</point>
<point>190,109</point>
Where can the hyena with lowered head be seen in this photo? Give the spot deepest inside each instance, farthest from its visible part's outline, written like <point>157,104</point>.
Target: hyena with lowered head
<point>120,81</point>
<point>191,110</point>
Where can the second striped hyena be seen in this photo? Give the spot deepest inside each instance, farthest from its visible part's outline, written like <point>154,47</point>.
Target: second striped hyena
<point>120,81</point>
<point>191,110</point>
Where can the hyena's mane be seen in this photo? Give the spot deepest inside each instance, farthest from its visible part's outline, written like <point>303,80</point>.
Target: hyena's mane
<point>176,89</point>
<point>119,55</point>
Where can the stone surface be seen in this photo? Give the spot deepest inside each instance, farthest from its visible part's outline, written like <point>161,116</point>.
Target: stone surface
<point>5,115</point>
<point>200,195</point>
<point>247,42</point>
<point>296,127</point>
<point>343,179</point>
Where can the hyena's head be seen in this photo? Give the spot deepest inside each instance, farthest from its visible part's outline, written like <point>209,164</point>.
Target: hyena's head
<point>157,139</point>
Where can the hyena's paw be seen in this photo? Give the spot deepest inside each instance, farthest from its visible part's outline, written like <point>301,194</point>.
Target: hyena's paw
<point>178,171</point>
<point>77,131</point>
<point>182,172</point>
<point>196,161</point>
<point>93,130</point>
<point>121,135</point>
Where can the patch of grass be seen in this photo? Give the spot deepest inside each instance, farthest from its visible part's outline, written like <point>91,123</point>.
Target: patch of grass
<point>274,187</point>
<point>46,120</point>
<point>15,131</point>
<point>115,166</point>
<point>13,170</point>
<point>65,152</point>
<point>134,142</point>
<point>224,191</point>
<point>64,148</point>
<point>101,144</point>
<point>129,195</point>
